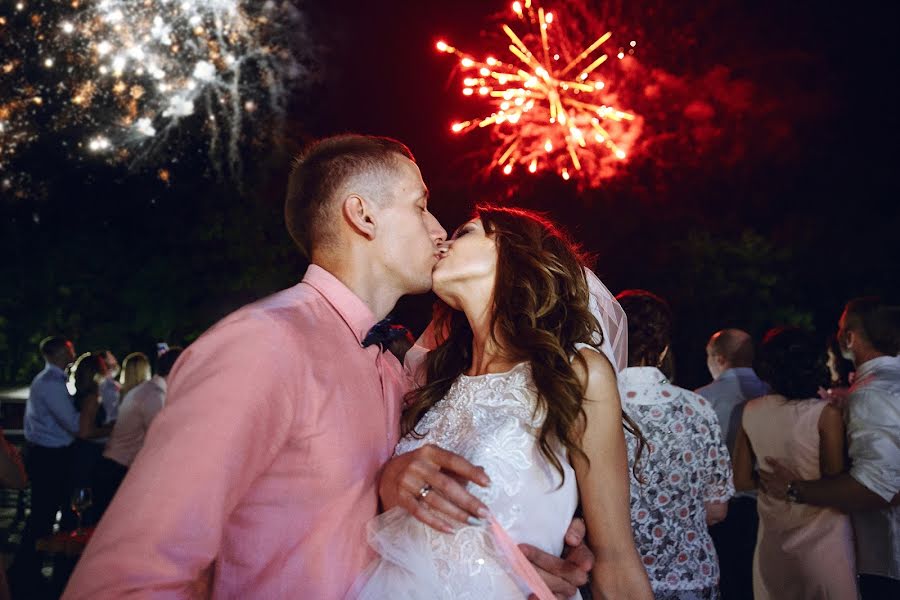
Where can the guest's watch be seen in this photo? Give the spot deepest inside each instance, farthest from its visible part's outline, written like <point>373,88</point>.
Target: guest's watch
<point>791,493</point>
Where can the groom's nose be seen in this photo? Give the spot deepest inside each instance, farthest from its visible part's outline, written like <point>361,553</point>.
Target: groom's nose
<point>438,233</point>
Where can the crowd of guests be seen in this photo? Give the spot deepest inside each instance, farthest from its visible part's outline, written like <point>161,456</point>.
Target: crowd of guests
<point>683,484</point>
<point>85,420</point>
<point>779,479</point>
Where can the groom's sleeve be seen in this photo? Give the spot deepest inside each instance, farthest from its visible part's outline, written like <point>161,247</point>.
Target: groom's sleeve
<point>226,416</point>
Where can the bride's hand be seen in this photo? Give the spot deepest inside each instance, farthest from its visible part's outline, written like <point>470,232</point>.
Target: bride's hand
<point>563,575</point>
<point>430,484</point>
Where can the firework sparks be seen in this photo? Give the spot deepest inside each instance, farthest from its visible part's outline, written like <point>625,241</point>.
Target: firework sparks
<point>550,108</point>
<point>123,75</point>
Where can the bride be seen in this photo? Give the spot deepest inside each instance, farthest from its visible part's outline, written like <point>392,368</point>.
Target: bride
<point>517,385</point>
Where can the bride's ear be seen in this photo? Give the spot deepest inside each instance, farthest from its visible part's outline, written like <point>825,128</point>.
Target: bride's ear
<point>358,214</point>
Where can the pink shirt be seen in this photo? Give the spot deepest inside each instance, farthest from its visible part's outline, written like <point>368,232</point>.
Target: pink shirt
<point>263,465</point>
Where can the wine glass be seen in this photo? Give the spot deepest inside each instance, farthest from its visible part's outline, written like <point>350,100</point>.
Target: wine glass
<point>82,498</point>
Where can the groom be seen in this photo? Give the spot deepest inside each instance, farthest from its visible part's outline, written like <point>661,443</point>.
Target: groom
<point>258,478</point>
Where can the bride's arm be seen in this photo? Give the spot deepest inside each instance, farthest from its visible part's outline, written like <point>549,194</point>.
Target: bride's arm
<point>604,487</point>
<point>444,475</point>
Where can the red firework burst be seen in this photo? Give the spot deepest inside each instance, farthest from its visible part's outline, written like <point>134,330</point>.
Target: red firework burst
<point>550,109</point>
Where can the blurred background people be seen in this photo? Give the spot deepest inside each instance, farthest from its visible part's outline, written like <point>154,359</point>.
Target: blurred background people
<point>51,423</point>
<point>12,475</point>
<point>803,551</point>
<point>729,358</point>
<point>869,335</point>
<point>135,370</point>
<point>685,480</point>
<point>88,374</point>
<point>139,407</point>
<point>841,375</point>
<point>109,387</point>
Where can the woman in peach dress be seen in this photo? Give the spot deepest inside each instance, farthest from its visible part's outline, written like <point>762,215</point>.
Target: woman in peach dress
<point>802,551</point>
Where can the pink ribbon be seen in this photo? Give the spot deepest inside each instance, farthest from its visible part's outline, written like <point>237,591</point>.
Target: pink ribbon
<point>519,563</point>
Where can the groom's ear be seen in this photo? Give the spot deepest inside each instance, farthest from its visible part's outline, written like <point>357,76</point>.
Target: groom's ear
<point>358,214</point>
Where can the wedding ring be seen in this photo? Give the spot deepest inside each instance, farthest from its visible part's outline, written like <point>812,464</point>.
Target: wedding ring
<point>424,491</point>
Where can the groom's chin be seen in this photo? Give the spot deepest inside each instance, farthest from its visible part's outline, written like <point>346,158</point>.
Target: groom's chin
<point>422,288</point>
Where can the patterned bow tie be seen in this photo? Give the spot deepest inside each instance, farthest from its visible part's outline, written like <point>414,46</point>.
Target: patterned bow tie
<point>384,333</point>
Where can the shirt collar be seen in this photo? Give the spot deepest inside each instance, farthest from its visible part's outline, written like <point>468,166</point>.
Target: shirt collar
<point>642,376</point>
<point>54,369</point>
<point>352,309</point>
<point>890,362</point>
<point>736,372</point>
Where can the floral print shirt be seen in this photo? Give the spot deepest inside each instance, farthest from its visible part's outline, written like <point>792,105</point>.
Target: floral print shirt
<point>686,466</point>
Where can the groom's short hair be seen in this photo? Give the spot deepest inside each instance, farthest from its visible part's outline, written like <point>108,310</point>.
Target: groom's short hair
<point>318,174</point>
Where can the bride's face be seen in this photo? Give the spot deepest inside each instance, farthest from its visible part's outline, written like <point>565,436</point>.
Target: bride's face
<point>470,262</point>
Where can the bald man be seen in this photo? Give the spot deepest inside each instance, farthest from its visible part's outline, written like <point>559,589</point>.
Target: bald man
<point>729,357</point>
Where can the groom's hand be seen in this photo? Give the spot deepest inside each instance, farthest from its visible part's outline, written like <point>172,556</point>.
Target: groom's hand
<point>563,575</point>
<point>430,484</point>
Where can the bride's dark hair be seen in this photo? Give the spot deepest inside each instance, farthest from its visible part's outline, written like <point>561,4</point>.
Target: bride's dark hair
<point>541,310</point>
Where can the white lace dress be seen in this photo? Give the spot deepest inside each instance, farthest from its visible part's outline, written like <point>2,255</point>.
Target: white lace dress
<point>490,420</point>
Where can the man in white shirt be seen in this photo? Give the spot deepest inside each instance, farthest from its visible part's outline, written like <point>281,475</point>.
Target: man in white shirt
<point>51,425</point>
<point>729,358</point>
<point>869,335</point>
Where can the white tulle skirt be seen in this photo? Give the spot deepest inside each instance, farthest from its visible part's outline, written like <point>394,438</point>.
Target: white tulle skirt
<point>416,563</point>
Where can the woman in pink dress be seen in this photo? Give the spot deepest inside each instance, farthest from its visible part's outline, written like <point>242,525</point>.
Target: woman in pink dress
<point>802,551</point>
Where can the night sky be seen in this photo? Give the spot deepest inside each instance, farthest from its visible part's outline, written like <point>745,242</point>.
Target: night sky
<point>764,190</point>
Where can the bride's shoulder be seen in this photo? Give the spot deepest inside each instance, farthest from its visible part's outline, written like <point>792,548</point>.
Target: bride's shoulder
<point>594,371</point>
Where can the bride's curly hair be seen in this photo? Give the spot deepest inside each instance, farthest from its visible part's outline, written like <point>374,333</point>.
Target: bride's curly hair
<point>541,310</point>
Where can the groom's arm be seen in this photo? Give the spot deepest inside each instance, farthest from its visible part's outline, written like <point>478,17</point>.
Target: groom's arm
<point>226,416</point>
<point>563,575</point>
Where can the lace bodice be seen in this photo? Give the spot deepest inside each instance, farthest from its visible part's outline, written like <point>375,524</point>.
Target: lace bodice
<point>491,420</point>
<point>686,466</point>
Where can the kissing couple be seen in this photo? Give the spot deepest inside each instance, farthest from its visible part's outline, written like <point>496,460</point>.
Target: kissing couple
<point>284,464</point>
